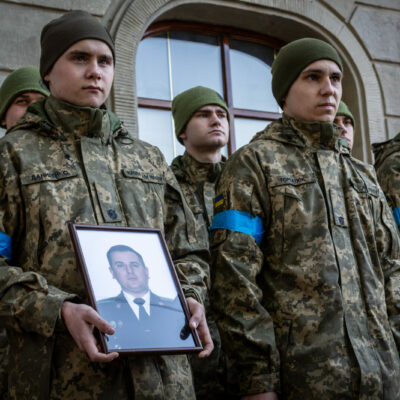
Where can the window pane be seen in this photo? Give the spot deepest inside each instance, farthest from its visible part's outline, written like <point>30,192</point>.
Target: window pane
<point>155,127</point>
<point>246,128</point>
<point>195,60</point>
<point>251,76</point>
<point>152,75</point>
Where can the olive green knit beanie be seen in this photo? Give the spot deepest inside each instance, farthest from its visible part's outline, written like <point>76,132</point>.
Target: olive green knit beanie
<point>344,110</point>
<point>61,33</point>
<point>293,58</point>
<point>185,104</point>
<point>25,79</point>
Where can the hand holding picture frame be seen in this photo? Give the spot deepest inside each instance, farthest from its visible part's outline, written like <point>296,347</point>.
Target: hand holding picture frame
<point>131,282</point>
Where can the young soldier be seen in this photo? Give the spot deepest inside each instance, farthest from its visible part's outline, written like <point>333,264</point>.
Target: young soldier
<point>387,165</point>
<point>202,125</point>
<point>70,160</point>
<point>20,89</point>
<point>307,268</point>
<point>344,118</point>
<point>201,120</point>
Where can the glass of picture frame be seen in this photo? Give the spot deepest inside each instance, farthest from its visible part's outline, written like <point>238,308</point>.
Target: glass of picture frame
<point>131,282</point>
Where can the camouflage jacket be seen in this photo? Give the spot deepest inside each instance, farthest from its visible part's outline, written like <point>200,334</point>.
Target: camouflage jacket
<point>64,163</point>
<point>307,269</point>
<point>197,181</point>
<point>387,166</point>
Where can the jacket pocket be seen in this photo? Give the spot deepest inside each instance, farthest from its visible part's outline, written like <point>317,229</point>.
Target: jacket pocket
<point>142,197</point>
<point>293,212</point>
<point>364,199</point>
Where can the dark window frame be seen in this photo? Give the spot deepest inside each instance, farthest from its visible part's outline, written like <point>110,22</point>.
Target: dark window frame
<point>224,33</point>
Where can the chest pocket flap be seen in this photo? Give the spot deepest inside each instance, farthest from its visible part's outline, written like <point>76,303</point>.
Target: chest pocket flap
<point>364,187</point>
<point>288,184</point>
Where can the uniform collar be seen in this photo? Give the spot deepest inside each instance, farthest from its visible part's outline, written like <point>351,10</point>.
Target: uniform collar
<point>318,135</point>
<point>200,171</point>
<point>78,121</point>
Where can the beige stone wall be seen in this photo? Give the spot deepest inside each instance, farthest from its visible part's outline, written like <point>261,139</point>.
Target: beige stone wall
<point>365,32</point>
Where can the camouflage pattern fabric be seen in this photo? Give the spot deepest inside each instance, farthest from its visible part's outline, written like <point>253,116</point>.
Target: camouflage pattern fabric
<point>63,163</point>
<point>387,166</point>
<point>3,363</point>
<point>197,181</point>
<point>313,312</point>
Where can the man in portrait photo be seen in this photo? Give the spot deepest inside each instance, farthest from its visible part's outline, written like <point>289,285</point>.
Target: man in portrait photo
<point>141,318</point>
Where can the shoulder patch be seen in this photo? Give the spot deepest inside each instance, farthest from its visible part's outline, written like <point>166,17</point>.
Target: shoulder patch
<point>219,203</point>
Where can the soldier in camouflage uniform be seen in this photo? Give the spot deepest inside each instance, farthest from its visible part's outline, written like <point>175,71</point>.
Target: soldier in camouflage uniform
<point>306,254</point>
<point>20,89</point>
<point>70,160</point>
<point>344,118</point>
<point>387,166</point>
<point>201,120</point>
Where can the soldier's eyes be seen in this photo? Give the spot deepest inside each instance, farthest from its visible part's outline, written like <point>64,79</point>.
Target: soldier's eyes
<point>313,77</point>
<point>21,101</point>
<point>79,58</point>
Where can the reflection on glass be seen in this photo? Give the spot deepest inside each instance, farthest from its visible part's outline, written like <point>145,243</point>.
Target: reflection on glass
<point>246,128</point>
<point>152,77</point>
<point>155,127</point>
<point>251,76</point>
<point>195,60</point>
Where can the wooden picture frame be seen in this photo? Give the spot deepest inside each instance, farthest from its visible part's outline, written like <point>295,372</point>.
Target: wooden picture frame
<point>123,268</point>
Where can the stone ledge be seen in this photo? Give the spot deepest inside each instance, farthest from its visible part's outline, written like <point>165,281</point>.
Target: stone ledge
<point>95,7</point>
<point>342,8</point>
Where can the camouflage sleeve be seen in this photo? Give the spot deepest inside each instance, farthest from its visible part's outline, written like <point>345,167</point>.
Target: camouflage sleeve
<point>246,327</point>
<point>388,245</point>
<point>188,247</point>
<point>27,302</point>
<point>389,178</point>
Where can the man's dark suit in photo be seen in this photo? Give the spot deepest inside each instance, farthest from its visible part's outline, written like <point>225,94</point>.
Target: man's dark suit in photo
<point>161,329</point>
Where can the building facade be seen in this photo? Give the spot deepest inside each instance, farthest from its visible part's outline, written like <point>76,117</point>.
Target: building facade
<point>160,45</point>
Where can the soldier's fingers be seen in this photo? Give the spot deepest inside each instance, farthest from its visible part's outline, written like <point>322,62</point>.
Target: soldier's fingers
<point>206,340</point>
<point>101,324</point>
<point>96,356</point>
<point>197,311</point>
<point>198,320</point>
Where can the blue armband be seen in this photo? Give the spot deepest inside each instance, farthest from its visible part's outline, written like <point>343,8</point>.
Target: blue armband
<point>239,221</point>
<point>5,245</point>
<point>396,214</point>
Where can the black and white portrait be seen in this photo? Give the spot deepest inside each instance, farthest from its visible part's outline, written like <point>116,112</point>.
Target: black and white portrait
<point>132,285</point>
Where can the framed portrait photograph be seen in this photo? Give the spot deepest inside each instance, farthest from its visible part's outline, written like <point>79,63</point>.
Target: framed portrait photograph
<point>130,280</point>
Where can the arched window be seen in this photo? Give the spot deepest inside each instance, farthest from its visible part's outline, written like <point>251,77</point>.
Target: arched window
<point>175,56</point>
